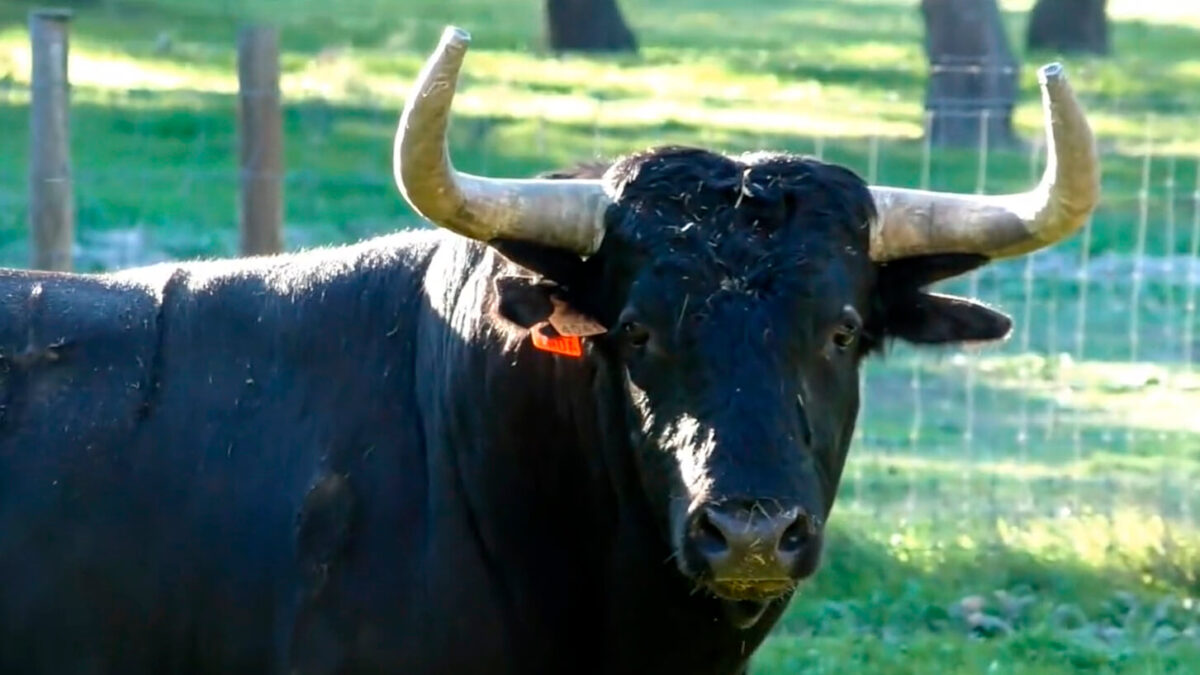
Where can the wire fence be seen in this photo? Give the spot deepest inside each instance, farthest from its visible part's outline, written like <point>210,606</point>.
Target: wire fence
<point>1088,408</point>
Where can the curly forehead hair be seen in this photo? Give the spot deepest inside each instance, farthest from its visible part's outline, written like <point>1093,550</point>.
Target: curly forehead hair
<point>745,210</point>
<point>754,192</point>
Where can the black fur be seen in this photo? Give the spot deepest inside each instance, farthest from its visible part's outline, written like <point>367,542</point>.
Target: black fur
<point>351,460</point>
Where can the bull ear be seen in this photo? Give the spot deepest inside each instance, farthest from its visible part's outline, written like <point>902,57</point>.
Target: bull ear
<point>930,318</point>
<point>528,302</point>
<point>523,301</point>
<point>914,315</point>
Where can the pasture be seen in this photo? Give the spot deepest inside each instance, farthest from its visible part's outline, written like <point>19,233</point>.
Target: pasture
<point>1021,508</point>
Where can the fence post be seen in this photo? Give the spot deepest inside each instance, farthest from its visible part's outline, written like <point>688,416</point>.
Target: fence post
<point>260,127</point>
<point>51,195</point>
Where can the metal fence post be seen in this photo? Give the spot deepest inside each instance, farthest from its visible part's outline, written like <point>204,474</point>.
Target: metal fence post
<point>260,128</point>
<point>51,195</point>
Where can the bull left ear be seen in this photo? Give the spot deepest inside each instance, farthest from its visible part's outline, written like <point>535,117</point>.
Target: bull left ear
<point>914,315</point>
<point>930,318</point>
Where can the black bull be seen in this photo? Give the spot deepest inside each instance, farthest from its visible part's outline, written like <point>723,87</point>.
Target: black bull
<point>348,460</point>
<point>357,460</point>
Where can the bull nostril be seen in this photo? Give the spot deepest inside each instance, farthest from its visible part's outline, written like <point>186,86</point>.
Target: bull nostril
<point>709,538</point>
<point>750,550</point>
<point>795,536</point>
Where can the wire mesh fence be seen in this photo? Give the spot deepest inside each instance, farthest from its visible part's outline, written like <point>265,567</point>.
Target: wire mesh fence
<point>1087,408</point>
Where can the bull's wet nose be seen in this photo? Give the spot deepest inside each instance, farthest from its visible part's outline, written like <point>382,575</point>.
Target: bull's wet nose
<point>750,543</point>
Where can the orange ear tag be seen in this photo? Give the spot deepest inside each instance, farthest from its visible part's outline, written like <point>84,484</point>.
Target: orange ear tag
<point>565,345</point>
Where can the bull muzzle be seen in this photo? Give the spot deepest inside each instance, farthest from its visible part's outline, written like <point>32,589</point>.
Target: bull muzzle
<point>750,551</point>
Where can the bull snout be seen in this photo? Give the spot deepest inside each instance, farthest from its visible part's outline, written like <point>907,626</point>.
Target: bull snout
<point>751,551</point>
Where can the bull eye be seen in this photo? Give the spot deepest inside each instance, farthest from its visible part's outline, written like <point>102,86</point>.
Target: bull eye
<point>844,336</point>
<point>635,334</point>
<point>847,330</point>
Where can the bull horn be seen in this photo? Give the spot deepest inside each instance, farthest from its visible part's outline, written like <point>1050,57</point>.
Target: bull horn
<point>566,214</point>
<point>919,222</point>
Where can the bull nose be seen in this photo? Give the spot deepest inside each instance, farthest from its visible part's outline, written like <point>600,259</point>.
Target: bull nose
<point>750,543</point>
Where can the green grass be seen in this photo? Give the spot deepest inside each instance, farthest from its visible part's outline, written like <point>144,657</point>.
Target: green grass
<point>889,602</point>
<point>1021,510</point>
<point>806,76</point>
<point>1075,550</point>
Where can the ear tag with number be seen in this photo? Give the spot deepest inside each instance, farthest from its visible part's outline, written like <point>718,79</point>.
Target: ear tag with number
<point>565,345</point>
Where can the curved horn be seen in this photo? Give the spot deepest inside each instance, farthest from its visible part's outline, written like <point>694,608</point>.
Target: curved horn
<point>918,222</point>
<point>567,214</point>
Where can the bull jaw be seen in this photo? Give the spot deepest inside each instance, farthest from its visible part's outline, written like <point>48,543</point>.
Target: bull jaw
<point>744,601</point>
<point>743,614</point>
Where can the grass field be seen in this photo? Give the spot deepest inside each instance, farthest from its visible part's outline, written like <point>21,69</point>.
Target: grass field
<point>156,138</point>
<point>1013,511</point>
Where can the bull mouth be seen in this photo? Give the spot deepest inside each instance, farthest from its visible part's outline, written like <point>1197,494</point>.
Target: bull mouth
<point>750,590</point>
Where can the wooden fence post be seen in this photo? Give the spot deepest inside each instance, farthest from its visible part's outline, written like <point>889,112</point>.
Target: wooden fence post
<point>260,127</point>
<point>51,193</point>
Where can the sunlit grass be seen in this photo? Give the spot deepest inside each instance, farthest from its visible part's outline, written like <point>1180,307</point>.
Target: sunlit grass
<point>1016,473</point>
<point>1070,592</point>
<point>1145,396</point>
<point>1168,12</point>
<point>1164,553</point>
<point>780,80</point>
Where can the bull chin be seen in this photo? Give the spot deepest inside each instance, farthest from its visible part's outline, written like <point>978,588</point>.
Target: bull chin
<point>744,602</point>
<point>744,614</point>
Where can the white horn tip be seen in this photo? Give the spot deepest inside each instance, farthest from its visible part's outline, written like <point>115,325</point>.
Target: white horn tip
<point>454,36</point>
<point>1050,72</point>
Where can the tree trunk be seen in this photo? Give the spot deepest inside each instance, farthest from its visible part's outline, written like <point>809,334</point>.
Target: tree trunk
<point>1069,26</point>
<point>587,25</point>
<point>972,73</point>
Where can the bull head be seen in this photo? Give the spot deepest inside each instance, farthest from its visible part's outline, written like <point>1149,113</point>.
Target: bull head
<point>734,300</point>
<point>569,214</point>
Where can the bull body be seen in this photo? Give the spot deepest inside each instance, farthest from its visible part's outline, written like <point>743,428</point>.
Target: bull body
<point>320,463</point>
<point>357,460</point>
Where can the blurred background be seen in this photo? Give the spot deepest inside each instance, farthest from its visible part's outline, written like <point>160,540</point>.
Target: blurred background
<point>1018,508</point>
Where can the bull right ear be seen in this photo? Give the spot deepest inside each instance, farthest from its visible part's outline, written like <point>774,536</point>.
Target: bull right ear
<point>932,318</point>
<point>920,317</point>
<point>523,301</point>
<point>530,303</point>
